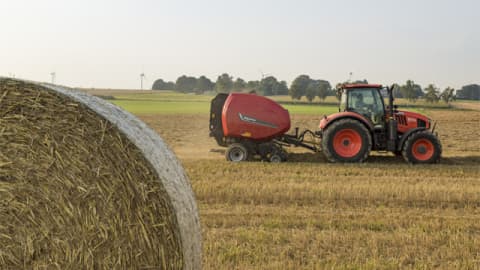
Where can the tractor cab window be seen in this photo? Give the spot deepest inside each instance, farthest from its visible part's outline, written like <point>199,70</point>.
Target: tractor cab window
<point>368,102</point>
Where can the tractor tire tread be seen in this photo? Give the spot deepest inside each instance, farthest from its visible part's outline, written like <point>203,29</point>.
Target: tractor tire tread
<point>406,148</point>
<point>329,133</point>
<point>242,148</point>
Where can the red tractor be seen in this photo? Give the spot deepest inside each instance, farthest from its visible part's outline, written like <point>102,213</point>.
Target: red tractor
<point>255,126</point>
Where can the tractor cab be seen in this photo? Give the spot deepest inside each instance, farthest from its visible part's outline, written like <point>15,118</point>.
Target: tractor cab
<point>365,100</point>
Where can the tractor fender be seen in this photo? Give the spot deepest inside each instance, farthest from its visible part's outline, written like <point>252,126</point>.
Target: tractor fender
<point>405,136</point>
<point>328,120</point>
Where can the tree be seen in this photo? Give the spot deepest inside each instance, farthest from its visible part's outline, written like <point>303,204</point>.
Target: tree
<point>239,85</point>
<point>162,85</point>
<point>204,84</point>
<point>324,89</point>
<point>299,86</point>
<point>267,86</point>
<point>253,85</point>
<point>338,91</point>
<point>185,84</point>
<point>224,83</point>
<point>431,95</point>
<point>270,86</point>
<point>280,88</point>
<point>447,95</point>
<point>418,90</point>
<point>409,91</point>
<point>471,91</point>
<point>313,89</point>
<point>397,93</point>
<point>364,81</point>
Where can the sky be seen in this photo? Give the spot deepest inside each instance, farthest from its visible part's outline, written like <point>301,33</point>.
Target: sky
<point>109,43</point>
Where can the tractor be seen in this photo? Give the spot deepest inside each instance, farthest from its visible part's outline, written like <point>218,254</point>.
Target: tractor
<point>364,123</point>
<point>255,126</point>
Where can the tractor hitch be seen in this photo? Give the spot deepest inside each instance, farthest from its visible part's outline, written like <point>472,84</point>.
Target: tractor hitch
<point>298,139</point>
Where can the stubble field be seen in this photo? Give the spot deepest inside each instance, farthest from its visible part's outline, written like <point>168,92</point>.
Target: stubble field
<point>310,214</point>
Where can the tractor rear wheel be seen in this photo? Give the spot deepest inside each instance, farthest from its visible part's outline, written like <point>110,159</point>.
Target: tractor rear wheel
<point>346,140</point>
<point>236,152</point>
<point>422,147</point>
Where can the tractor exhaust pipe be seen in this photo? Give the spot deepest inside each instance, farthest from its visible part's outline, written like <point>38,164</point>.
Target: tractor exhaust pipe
<point>392,123</point>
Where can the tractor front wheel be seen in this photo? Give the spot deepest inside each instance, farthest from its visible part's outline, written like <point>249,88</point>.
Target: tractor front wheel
<point>422,147</point>
<point>346,140</point>
<point>236,152</point>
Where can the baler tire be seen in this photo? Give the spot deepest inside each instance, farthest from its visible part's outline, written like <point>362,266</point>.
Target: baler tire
<point>348,128</point>
<point>275,158</point>
<point>419,142</point>
<point>236,152</point>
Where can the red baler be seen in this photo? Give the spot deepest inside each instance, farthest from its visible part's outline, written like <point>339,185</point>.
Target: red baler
<point>251,125</point>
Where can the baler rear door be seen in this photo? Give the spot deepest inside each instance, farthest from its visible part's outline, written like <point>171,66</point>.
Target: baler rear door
<point>216,107</point>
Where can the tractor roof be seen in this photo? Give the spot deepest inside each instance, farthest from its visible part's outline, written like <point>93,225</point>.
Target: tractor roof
<point>361,85</point>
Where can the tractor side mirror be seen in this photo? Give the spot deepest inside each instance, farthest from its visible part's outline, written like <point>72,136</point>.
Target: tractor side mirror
<point>384,92</point>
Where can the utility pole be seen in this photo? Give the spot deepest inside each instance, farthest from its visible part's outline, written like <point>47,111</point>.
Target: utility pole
<point>53,75</point>
<point>350,77</point>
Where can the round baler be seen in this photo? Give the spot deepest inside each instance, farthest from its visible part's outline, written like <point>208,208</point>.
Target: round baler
<point>248,125</point>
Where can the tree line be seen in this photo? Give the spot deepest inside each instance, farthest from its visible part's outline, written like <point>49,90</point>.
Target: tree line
<point>304,86</point>
<point>433,94</point>
<point>267,86</point>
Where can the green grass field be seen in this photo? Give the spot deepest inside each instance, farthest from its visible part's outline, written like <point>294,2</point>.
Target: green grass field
<point>175,103</point>
<point>150,102</point>
<point>163,107</point>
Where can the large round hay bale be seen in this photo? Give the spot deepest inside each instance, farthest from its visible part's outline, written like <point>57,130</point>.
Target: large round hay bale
<point>84,184</point>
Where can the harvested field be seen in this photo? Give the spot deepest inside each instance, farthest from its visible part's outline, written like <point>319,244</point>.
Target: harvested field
<point>187,134</point>
<point>472,105</point>
<point>77,192</point>
<point>309,214</point>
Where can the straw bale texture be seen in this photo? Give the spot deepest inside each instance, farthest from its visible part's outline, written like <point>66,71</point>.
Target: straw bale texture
<point>84,184</point>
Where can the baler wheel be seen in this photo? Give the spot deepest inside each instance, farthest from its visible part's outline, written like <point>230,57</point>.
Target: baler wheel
<point>236,152</point>
<point>422,147</point>
<point>346,140</point>
<point>275,158</point>
<point>277,154</point>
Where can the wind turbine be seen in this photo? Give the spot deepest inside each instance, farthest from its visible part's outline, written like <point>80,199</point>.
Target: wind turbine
<point>142,77</point>
<point>264,75</point>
